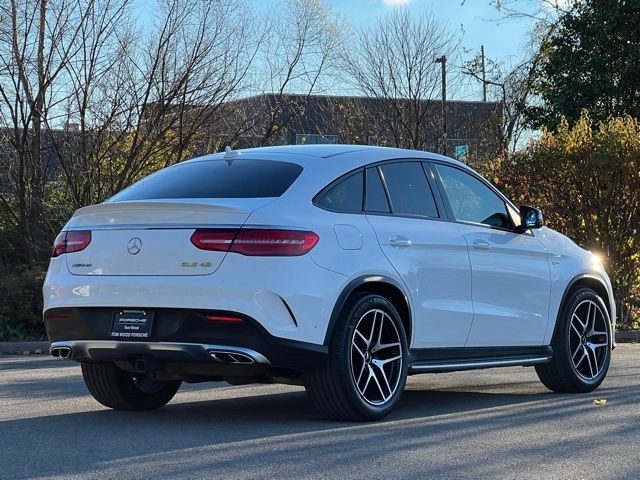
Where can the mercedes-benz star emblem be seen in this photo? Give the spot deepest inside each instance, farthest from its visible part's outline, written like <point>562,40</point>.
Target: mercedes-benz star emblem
<point>134,246</point>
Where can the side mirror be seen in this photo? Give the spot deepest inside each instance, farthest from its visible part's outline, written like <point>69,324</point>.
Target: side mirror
<point>530,217</point>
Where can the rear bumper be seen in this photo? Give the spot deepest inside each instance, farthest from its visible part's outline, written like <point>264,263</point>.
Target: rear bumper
<point>102,350</point>
<point>178,336</point>
<point>291,297</point>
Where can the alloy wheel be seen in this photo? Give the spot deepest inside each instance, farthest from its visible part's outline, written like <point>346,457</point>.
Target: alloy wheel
<point>376,357</point>
<point>588,339</point>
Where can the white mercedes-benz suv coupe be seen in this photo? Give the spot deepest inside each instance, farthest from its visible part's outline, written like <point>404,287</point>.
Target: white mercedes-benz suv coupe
<point>338,267</point>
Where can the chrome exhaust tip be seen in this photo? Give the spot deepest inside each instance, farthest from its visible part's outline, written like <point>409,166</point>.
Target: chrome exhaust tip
<point>61,352</point>
<point>234,358</point>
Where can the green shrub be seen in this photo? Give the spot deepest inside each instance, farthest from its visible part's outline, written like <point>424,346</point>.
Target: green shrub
<point>21,305</point>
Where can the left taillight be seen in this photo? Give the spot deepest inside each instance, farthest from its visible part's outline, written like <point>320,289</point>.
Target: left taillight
<point>72,241</point>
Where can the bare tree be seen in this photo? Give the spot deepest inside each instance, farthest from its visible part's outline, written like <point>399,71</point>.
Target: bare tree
<point>159,99</point>
<point>84,128</point>
<point>37,40</point>
<point>512,90</point>
<point>392,62</point>
<point>94,100</point>
<point>196,59</point>
<point>300,55</point>
<point>512,85</point>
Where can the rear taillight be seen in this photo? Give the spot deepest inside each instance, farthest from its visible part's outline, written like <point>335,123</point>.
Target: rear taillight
<point>256,241</point>
<point>216,240</point>
<point>73,241</point>
<point>273,242</point>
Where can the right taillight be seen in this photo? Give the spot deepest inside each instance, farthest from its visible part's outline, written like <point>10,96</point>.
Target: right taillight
<point>256,241</point>
<point>72,241</point>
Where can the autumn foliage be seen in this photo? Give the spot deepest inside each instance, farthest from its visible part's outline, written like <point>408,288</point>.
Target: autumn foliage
<point>586,179</point>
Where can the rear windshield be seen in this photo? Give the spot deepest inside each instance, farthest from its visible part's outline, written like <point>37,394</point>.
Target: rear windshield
<point>215,179</point>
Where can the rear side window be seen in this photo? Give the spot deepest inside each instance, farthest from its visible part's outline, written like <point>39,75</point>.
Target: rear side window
<point>215,179</point>
<point>409,189</point>
<point>376,199</point>
<point>344,196</point>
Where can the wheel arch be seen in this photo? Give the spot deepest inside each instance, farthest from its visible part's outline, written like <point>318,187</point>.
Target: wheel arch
<point>592,282</point>
<point>376,284</point>
<point>589,281</point>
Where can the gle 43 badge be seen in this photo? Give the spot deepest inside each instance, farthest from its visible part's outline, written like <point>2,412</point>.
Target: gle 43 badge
<point>195,264</point>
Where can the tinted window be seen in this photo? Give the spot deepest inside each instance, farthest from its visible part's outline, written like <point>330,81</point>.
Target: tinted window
<point>376,200</point>
<point>345,196</point>
<point>471,200</point>
<point>409,190</point>
<point>215,179</point>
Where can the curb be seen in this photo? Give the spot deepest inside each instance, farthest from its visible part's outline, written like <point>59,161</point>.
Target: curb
<point>628,336</point>
<point>24,348</point>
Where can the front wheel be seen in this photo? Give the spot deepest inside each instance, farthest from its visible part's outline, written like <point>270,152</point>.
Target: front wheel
<point>120,390</point>
<point>366,371</point>
<point>581,345</point>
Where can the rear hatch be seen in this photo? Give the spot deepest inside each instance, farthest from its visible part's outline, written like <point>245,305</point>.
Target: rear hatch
<point>146,229</point>
<point>154,237</point>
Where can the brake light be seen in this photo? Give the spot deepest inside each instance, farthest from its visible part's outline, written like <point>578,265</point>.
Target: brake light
<point>256,241</point>
<point>72,241</point>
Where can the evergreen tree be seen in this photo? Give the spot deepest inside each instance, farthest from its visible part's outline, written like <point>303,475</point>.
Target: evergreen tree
<point>591,61</point>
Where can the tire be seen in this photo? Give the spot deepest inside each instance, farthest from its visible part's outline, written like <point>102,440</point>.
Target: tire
<point>117,389</point>
<point>334,388</point>
<point>577,366</point>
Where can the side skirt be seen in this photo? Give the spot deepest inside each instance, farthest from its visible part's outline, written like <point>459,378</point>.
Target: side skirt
<point>435,360</point>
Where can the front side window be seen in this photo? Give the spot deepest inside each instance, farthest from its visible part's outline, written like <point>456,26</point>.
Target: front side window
<point>344,196</point>
<point>471,200</point>
<point>409,189</point>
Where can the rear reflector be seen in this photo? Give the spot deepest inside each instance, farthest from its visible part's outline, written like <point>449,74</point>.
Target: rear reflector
<point>72,241</point>
<point>256,241</point>
<point>223,319</point>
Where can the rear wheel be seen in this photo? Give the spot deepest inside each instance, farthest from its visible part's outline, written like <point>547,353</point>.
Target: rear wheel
<point>366,371</point>
<point>120,390</point>
<point>581,345</point>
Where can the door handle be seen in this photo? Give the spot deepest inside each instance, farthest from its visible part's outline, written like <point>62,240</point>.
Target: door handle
<point>481,245</point>
<point>400,241</point>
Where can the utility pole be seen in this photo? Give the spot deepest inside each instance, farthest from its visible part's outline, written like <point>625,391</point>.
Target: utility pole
<point>443,61</point>
<point>484,75</point>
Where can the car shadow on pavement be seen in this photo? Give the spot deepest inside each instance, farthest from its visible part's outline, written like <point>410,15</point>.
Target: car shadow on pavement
<point>218,425</point>
<point>31,362</point>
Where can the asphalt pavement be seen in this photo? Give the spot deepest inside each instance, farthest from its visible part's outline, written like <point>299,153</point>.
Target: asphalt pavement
<point>492,424</point>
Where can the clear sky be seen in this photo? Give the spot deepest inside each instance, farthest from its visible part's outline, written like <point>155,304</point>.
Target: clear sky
<point>477,21</point>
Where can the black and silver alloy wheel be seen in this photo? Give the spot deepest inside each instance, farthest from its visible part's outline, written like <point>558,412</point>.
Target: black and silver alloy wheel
<point>376,357</point>
<point>366,371</point>
<point>581,345</point>
<point>588,339</point>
